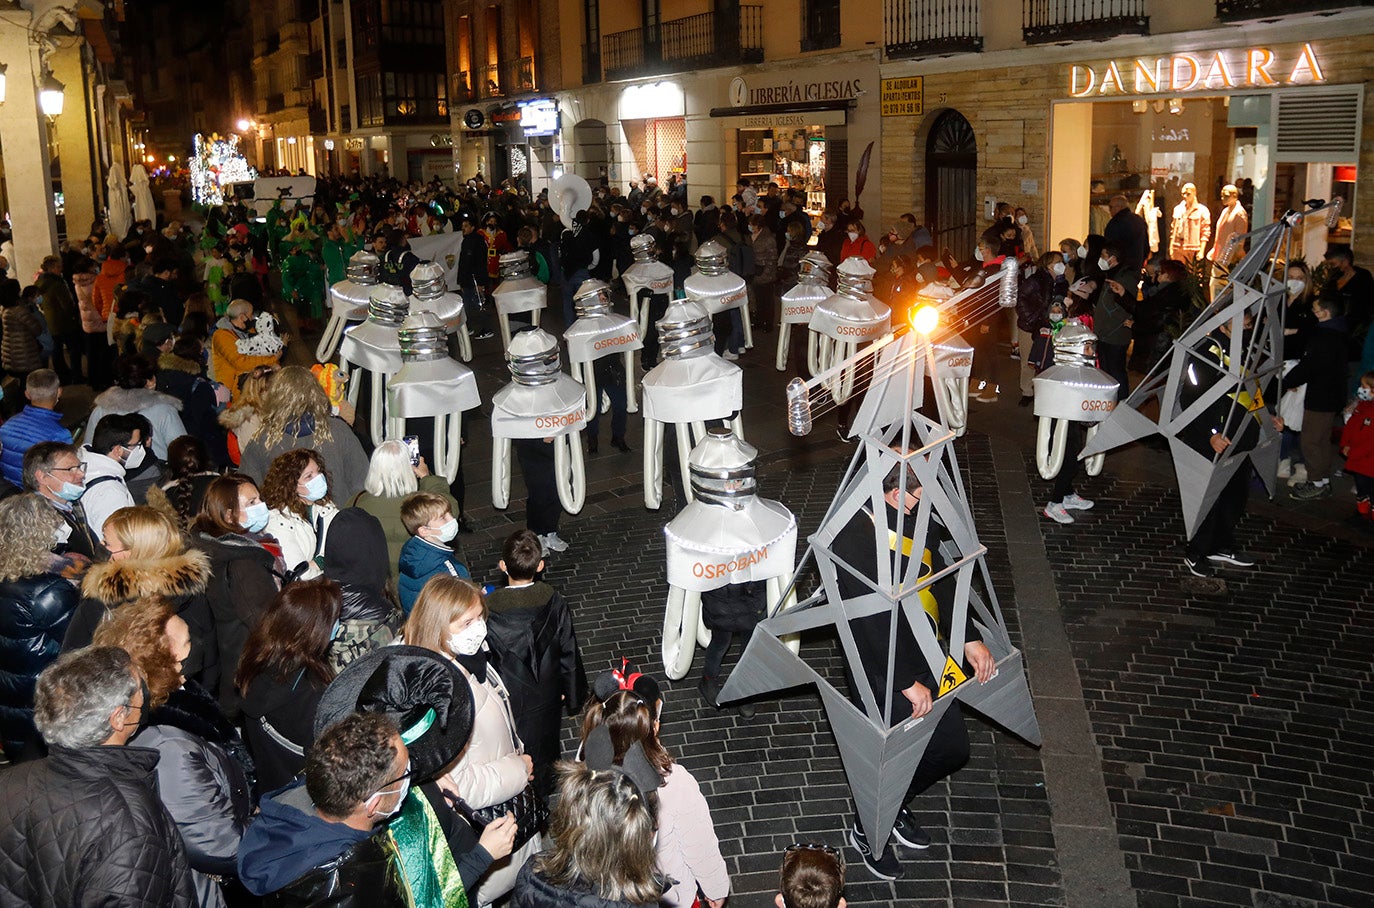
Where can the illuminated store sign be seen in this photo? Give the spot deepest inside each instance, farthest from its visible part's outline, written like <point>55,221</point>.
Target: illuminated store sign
<point>539,118</point>
<point>1221,70</point>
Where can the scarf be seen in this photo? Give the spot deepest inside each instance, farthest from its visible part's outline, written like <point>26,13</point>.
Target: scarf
<point>423,856</point>
<point>476,664</point>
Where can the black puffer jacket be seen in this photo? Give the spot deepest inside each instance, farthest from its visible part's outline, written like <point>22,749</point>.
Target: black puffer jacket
<point>241,587</point>
<point>355,557</point>
<point>533,891</point>
<point>288,707</point>
<point>85,827</point>
<point>34,612</point>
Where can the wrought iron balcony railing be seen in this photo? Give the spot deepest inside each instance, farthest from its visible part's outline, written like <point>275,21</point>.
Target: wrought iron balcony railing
<point>1241,10</point>
<point>919,28</point>
<point>1050,21</point>
<point>693,42</point>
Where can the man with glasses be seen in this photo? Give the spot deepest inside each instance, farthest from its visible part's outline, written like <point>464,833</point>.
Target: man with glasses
<point>54,470</point>
<point>118,447</point>
<point>84,825</point>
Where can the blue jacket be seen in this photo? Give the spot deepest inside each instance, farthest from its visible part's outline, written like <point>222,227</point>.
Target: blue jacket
<point>289,839</point>
<point>421,560</point>
<point>26,429</point>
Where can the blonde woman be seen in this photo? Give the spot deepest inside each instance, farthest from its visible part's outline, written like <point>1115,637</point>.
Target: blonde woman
<point>36,603</point>
<point>297,414</point>
<point>243,419</point>
<point>450,618</point>
<point>148,557</point>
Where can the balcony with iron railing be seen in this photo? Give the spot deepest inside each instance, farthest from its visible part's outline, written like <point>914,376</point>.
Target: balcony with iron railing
<point>920,28</point>
<point>1242,10</point>
<point>276,102</point>
<point>694,42</point>
<point>314,65</point>
<point>508,77</point>
<point>460,89</point>
<point>1051,21</point>
<point>319,123</point>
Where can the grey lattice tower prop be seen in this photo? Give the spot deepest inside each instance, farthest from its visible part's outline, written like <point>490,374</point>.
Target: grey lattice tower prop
<point>881,761</point>
<point>1251,365</point>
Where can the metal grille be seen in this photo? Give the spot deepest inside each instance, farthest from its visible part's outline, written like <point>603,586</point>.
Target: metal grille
<point>1319,124</point>
<point>1045,21</point>
<point>665,147</point>
<point>914,28</point>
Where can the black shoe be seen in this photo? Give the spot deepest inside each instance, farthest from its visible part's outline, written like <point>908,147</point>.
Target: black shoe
<point>906,831</point>
<point>884,866</point>
<point>620,445</point>
<point>709,688</point>
<point>1198,568</point>
<point>842,433</point>
<point>1026,400</point>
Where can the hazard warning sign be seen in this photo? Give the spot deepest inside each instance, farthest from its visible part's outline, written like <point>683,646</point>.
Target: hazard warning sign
<point>951,677</point>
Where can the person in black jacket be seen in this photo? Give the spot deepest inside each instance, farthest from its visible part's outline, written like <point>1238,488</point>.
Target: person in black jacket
<point>473,278</point>
<point>36,603</point>
<point>355,557</point>
<point>84,826</point>
<point>530,630</point>
<point>181,374</point>
<point>1323,370</point>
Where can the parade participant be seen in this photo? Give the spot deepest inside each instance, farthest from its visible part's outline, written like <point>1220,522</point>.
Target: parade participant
<point>913,682</point>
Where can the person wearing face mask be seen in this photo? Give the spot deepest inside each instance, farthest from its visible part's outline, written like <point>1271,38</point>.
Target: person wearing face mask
<point>429,520</point>
<point>226,362</point>
<point>1034,293</point>
<point>1028,246</point>
<point>204,772</point>
<point>856,242</point>
<point>1322,369</point>
<point>117,448</point>
<point>1114,315</point>
<point>355,557</point>
<point>296,490</point>
<point>1165,300</point>
<point>1072,252</point>
<point>55,472</point>
<point>246,569</point>
<point>449,618</point>
<point>135,391</point>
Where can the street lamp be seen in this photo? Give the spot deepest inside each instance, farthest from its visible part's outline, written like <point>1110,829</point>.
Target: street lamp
<point>50,96</point>
<point>243,125</point>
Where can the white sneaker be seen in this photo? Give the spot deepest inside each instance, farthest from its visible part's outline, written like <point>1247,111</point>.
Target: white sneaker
<point>1056,512</point>
<point>1299,475</point>
<point>1285,468</point>
<point>1074,502</point>
<point>730,355</point>
<point>553,542</point>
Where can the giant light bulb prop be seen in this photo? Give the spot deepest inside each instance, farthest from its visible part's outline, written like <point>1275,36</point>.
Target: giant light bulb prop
<point>842,323</point>
<point>949,364</point>
<point>646,281</point>
<point>539,402</point>
<point>727,534</point>
<point>431,384</point>
<point>430,293</point>
<point>598,332</point>
<point>1072,390</point>
<point>375,348</point>
<point>690,386</point>
<point>348,301</point>
<point>716,287</point>
<point>811,289</point>
<point>519,291</point>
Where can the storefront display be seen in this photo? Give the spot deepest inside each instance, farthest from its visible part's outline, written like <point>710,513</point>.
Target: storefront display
<point>792,157</point>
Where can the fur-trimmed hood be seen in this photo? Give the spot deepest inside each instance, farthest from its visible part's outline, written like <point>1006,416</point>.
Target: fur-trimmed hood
<point>174,363</point>
<point>174,576</point>
<point>132,400</point>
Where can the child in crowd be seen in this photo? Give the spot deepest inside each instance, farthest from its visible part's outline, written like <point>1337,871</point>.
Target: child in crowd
<point>1357,446</point>
<point>530,627</point>
<point>812,877</point>
<point>429,520</point>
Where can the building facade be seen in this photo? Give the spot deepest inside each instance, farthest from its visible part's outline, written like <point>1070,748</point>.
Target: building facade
<point>1063,109</point>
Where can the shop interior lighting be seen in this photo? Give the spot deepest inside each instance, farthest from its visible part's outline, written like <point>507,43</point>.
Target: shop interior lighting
<point>1140,105</point>
<point>1175,106</point>
<point>3,68</point>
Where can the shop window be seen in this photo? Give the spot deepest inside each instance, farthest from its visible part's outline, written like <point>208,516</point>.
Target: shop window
<point>665,147</point>
<point>952,183</point>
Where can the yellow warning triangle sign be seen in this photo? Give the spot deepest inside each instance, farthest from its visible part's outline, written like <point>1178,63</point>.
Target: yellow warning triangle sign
<point>951,677</point>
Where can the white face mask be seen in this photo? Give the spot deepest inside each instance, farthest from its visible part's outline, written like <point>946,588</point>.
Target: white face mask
<point>134,459</point>
<point>1295,286</point>
<point>446,532</point>
<point>978,253</point>
<point>1057,268</point>
<point>401,799</point>
<point>64,532</point>
<point>469,640</point>
<point>1363,393</point>
<point>1103,263</point>
<point>255,517</point>
<point>1082,252</point>
<point>853,236</point>
<point>1023,220</point>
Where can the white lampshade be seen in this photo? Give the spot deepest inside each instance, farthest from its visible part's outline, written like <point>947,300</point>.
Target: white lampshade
<point>3,67</point>
<point>50,96</point>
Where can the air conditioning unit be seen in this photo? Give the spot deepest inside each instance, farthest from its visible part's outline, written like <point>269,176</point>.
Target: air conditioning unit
<point>543,141</point>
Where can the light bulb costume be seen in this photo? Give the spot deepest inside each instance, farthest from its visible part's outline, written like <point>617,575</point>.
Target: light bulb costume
<point>348,301</point>
<point>716,288</point>
<point>429,292</point>
<point>726,535</point>
<point>374,347</point>
<point>649,284</point>
<point>519,291</point>
<point>431,384</point>
<point>850,318</point>
<point>600,333</point>
<point>811,289</point>
<point>1073,390</point>
<point>692,385</point>
<point>540,402</point>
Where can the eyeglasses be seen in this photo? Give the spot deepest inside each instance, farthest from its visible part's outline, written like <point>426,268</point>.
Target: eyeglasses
<point>78,468</point>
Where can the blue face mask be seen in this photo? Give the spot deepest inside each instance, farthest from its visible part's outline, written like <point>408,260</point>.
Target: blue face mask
<point>334,633</point>
<point>316,488</point>
<point>255,517</point>
<point>70,491</point>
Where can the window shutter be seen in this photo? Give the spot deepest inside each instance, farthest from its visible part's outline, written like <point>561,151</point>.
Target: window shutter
<point>1319,124</point>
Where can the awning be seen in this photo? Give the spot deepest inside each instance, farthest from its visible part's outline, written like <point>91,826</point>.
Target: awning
<point>757,116</point>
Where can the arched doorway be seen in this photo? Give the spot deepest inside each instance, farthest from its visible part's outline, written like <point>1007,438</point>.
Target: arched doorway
<point>952,183</point>
<point>592,161</point>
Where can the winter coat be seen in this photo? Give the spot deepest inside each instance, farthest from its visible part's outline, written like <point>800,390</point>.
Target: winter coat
<point>20,348</point>
<point>301,539</point>
<point>1322,368</point>
<point>388,511</point>
<point>106,490</point>
<point>34,613</point>
<point>688,851</point>
<point>1358,438</point>
<point>736,607</point>
<point>59,307</point>
<point>765,258</point>
<point>103,291</point>
<point>1111,312</point>
<point>26,429</point>
<point>181,578</point>
<point>862,247</point>
<point>421,560</point>
<point>530,631</point>
<point>165,296</point>
<point>85,827</point>
<point>342,453</point>
<point>184,380</point>
<point>242,585</point>
<point>1033,295</point>
<point>354,558</point>
<point>203,782</point>
<point>162,410</point>
<point>533,891</point>
<point>226,362</point>
<point>91,320</point>
<point>279,724</point>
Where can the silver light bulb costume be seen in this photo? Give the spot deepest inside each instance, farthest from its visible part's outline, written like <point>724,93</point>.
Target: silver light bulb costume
<point>431,383</point>
<point>348,301</point>
<point>1072,390</point>
<point>519,291</point>
<point>429,292</point>
<point>811,289</point>
<point>375,348</point>
<point>842,323</point>
<point>716,287</point>
<point>599,332</point>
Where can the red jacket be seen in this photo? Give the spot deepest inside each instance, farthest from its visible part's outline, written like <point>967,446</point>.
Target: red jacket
<point>111,276</point>
<point>862,247</point>
<point>1358,437</point>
